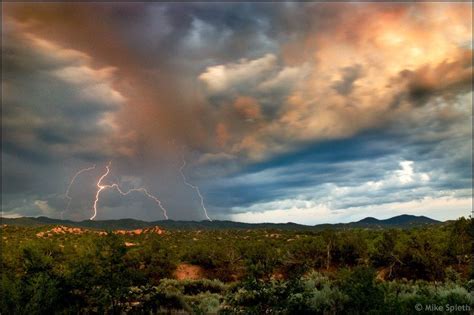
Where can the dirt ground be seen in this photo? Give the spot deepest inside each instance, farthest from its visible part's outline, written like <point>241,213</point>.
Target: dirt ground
<point>187,271</point>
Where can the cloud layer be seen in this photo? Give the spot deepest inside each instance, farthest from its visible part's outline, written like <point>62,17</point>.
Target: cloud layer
<point>325,108</point>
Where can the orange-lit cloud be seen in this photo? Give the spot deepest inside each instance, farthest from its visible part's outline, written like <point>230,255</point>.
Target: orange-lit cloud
<point>336,78</point>
<point>377,65</point>
<point>248,108</point>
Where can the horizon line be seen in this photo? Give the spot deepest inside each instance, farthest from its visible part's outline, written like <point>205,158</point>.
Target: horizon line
<point>250,223</point>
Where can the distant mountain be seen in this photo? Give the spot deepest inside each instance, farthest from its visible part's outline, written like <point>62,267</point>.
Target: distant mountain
<point>369,220</point>
<point>401,221</point>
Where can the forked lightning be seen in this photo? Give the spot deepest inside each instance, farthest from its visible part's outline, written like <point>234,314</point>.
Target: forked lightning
<point>102,187</point>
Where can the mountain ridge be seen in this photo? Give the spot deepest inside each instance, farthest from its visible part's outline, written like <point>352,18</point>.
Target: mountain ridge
<point>400,221</point>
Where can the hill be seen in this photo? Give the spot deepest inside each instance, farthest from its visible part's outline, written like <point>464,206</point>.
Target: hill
<point>401,221</point>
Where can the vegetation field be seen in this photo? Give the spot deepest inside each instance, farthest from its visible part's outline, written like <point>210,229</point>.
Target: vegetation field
<point>55,269</point>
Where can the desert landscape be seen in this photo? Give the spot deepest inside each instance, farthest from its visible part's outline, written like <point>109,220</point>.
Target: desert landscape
<point>208,268</point>
<point>237,157</point>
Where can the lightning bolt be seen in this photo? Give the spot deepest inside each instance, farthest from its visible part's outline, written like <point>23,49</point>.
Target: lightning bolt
<point>102,187</point>
<point>69,198</point>
<point>144,191</point>
<point>196,188</point>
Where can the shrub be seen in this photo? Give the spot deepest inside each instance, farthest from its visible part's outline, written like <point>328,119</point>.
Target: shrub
<point>360,286</point>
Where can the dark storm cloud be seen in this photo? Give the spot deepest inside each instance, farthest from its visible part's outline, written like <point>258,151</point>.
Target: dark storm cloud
<point>266,102</point>
<point>446,79</point>
<point>48,117</point>
<point>316,165</point>
<point>441,167</point>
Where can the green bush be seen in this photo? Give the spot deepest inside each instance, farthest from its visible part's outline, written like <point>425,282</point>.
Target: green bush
<point>363,292</point>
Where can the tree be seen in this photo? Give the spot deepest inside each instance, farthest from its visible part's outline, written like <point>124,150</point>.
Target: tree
<point>460,240</point>
<point>360,286</point>
<point>261,260</point>
<point>385,252</point>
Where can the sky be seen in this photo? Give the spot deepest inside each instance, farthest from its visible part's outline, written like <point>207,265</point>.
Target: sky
<point>253,112</point>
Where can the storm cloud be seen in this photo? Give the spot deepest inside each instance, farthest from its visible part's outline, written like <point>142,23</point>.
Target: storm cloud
<point>304,112</point>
